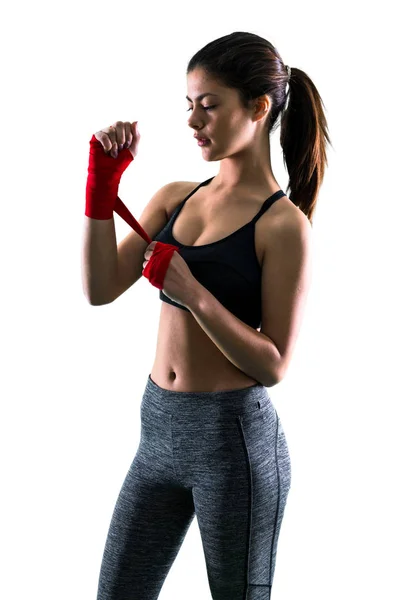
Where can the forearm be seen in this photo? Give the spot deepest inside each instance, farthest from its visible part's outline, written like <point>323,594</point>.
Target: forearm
<point>248,349</point>
<point>99,259</point>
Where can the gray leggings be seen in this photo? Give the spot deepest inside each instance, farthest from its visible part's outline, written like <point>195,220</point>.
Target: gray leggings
<point>221,456</point>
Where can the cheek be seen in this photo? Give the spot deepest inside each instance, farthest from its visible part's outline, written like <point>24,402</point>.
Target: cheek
<point>233,127</point>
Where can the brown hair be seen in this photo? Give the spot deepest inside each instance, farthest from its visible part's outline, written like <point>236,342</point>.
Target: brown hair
<point>251,64</point>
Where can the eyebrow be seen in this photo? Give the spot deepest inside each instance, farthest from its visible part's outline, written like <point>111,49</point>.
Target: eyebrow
<point>201,96</point>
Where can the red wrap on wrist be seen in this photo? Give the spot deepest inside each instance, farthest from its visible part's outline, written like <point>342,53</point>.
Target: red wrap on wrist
<point>104,174</point>
<point>157,266</point>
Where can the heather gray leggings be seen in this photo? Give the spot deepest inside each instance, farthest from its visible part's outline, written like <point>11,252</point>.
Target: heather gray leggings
<point>219,456</point>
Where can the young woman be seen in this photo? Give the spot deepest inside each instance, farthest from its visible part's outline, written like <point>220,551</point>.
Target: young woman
<point>234,290</point>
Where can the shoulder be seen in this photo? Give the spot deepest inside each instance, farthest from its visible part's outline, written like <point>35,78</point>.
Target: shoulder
<point>286,223</point>
<point>289,215</point>
<point>178,190</point>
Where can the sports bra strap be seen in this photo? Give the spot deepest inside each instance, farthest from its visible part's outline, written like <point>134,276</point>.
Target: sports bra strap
<point>207,181</point>
<point>268,202</point>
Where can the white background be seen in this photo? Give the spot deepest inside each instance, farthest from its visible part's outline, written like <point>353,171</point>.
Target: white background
<point>73,374</point>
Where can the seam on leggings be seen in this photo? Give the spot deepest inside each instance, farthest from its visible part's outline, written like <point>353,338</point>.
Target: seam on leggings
<point>250,498</point>
<point>172,446</point>
<point>279,494</point>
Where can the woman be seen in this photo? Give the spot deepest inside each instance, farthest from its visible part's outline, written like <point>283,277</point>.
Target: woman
<point>233,292</point>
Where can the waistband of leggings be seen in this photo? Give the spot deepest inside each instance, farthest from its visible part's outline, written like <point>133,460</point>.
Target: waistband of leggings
<point>226,402</point>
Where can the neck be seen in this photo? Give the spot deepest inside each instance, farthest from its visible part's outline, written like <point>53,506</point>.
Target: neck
<point>249,168</point>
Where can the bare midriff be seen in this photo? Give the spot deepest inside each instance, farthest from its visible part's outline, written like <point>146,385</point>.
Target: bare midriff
<point>186,358</point>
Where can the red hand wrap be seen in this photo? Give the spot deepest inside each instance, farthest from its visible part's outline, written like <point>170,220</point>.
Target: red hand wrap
<point>157,266</point>
<point>104,174</point>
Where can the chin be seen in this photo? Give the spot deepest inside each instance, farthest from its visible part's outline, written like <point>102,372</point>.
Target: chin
<point>211,157</point>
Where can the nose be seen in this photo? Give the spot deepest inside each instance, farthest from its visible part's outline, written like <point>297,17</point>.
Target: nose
<point>194,124</point>
<point>193,120</point>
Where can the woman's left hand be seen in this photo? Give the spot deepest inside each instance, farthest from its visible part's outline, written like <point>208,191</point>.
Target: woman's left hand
<point>179,284</point>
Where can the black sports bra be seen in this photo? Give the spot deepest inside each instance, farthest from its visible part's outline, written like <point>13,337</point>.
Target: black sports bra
<point>228,268</point>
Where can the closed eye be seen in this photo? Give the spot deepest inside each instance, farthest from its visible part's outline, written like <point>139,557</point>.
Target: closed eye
<point>205,107</point>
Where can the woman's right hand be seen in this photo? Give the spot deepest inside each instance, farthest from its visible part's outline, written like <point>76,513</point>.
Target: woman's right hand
<point>119,136</point>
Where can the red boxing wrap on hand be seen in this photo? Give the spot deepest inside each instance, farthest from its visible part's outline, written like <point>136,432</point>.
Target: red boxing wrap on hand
<point>157,266</point>
<point>104,174</point>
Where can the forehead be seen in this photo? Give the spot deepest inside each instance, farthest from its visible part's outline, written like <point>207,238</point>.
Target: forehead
<point>198,81</point>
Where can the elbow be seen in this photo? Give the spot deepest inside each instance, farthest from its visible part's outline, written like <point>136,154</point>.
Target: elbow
<point>269,378</point>
<point>271,381</point>
<point>93,298</point>
<point>96,301</point>
<point>280,371</point>
<point>275,373</point>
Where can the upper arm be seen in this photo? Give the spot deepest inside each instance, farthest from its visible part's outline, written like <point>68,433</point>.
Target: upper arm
<point>132,248</point>
<point>286,279</point>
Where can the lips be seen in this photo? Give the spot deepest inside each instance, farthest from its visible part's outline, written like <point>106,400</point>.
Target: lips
<point>198,138</point>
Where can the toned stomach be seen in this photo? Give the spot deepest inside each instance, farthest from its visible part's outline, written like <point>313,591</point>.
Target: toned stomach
<point>187,360</point>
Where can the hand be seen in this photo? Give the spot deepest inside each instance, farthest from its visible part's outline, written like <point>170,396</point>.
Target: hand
<point>179,283</point>
<point>119,136</point>
<point>105,174</point>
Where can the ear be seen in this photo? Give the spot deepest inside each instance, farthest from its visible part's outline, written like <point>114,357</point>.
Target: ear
<point>261,107</point>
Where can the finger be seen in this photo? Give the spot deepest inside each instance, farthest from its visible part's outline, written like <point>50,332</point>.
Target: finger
<point>128,135</point>
<point>120,129</point>
<point>134,129</point>
<point>113,140</point>
<point>104,139</point>
<point>112,134</point>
